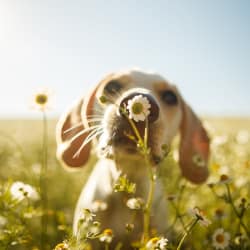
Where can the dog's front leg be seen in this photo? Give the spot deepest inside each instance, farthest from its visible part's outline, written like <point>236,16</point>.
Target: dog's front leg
<point>98,187</point>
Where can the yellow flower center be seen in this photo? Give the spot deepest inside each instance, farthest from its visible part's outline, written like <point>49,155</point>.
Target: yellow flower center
<point>108,232</point>
<point>220,238</point>
<point>154,240</point>
<point>137,108</point>
<point>61,246</point>
<point>41,99</point>
<point>103,99</point>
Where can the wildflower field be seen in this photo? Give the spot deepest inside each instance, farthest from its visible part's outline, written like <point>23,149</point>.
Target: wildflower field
<point>37,204</point>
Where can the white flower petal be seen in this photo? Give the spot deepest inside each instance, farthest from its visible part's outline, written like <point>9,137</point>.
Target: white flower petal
<point>19,191</point>
<point>134,203</point>
<point>220,238</point>
<point>145,108</point>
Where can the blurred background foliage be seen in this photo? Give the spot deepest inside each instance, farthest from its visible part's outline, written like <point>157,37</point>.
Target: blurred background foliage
<point>21,158</point>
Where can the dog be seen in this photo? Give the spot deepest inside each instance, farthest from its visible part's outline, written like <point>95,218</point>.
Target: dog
<point>93,122</point>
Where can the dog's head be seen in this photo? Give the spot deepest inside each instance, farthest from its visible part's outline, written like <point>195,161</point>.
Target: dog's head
<point>91,118</point>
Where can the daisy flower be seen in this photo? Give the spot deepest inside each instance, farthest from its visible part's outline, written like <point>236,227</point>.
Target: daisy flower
<point>98,206</point>
<point>157,243</point>
<point>86,215</point>
<point>94,229</point>
<point>19,191</point>
<point>62,246</point>
<point>106,236</point>
<point>41,100</point>
<point>138,108</point>
<point>224,179</point>
<point>219,140</point>
<point>220,238</point>
<point>135,203</point>
<point>199,215</point>
<point>162,243</point>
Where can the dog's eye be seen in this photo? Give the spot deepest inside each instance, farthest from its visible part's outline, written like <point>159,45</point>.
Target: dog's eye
<point>169,97</point>
<point>113,87</point>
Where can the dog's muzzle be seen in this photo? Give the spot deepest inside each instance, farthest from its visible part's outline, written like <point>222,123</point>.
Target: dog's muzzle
<point>118,132</point>
<point>154,107</point>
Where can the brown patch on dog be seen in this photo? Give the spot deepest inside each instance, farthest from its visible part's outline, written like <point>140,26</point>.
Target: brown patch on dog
<point>194,147</point>
<point>68,142</point>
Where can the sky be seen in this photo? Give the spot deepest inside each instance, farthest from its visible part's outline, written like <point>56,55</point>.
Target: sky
<point>69,46</point>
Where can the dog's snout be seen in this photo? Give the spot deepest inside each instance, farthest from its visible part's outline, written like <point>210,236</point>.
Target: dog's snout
<point>154,108</point>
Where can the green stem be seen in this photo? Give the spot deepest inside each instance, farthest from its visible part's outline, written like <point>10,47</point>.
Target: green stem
<point>106,246</point>
<point>148,206</point>
<point>178,215</point>
<point>135,131</point>
<point>186,234</point>
<point>43,184</point>
<point>134,128</point>
<point>239,216</point>
<point>144,146</point>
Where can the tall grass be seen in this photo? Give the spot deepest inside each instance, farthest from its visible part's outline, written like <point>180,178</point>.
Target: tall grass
<point>224,199</point>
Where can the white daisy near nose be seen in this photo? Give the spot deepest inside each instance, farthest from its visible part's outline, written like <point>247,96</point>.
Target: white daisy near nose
<point>139,108</point>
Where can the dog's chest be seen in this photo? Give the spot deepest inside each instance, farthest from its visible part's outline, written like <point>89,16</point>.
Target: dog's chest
<point>118,215</point>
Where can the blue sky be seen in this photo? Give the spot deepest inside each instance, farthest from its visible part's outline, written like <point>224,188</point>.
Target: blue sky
<point>68,46</point>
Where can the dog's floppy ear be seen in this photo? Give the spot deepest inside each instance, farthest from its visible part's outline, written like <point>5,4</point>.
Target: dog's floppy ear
<point>68,133</point>
<point>72,130</point>
<point>68,141</point>
<point>194,146</point>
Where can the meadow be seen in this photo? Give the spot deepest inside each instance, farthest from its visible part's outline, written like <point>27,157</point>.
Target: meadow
<point>220,207</point>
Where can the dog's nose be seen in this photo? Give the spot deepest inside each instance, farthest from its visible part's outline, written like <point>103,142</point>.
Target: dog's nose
<point>154,108</point>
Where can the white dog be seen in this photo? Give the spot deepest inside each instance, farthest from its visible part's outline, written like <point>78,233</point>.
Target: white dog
<point>88,118</point>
